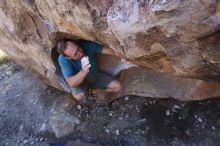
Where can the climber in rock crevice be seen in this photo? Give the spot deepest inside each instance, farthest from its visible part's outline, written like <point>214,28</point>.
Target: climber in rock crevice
<point>81,70</point>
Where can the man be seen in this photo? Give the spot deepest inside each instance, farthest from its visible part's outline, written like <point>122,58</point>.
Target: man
<point>81,69</point>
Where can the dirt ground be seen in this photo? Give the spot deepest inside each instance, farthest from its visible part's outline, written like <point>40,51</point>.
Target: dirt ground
<point>28,108</point>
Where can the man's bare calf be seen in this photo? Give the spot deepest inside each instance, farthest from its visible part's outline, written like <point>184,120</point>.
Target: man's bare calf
<point>80,96</point>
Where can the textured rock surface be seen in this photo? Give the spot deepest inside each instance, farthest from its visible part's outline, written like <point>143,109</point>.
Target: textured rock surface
<point>26,117</point>
<point>164,86</point>
<point>178,37</point>
<point>63,124</point>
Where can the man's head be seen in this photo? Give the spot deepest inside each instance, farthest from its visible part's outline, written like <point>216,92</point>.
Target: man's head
<point>70,49</point>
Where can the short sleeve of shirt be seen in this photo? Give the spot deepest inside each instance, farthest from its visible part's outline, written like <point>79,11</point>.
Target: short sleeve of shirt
<point>66,67</point>
<point>95,47</point>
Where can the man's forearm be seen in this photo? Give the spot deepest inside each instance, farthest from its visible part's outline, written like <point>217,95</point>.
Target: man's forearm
<point>108,51</point>
<point>77,79</point>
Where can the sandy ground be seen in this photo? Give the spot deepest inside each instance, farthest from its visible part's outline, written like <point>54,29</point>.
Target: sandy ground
<point>29,115</point>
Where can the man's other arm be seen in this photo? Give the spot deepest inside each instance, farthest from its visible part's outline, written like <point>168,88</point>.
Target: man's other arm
<point>108,51</point>
<point>77,79</point>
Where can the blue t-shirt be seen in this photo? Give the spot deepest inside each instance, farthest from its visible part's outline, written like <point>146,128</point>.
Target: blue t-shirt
<point>70,67</point>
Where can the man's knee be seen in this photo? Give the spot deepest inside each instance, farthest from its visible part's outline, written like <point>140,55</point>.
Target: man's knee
<point>79,96</point>
<point>118,86</point>
<point>115,85</point>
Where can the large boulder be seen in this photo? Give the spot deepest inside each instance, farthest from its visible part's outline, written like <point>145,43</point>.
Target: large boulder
<point>175,37</point>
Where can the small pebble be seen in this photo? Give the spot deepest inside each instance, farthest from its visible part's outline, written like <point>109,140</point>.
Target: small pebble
<point>167,112</point>
<point>41,139</point>
<point>21,127</point>
<point>106,130</point>
<point>213,127</point>
<point>9,73</point>
<point>126,98</point>
<point>25,141</point>
<point>147,128</point>
<point>187,132</point>
<point>79,107</point>
<point>176,106</point>
<point>141,120</point>
<point>200,119</point>
<point>137,108</point>
<point>43,127</point>
<point>117,132</point>
<point>110,114</point>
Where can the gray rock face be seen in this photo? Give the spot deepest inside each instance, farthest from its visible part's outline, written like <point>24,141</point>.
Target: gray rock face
<point>176,37</point>
<point>63,124</point>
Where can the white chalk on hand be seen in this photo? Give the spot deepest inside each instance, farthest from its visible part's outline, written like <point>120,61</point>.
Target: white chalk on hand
<point>85,59</point>
<point>85,62</point>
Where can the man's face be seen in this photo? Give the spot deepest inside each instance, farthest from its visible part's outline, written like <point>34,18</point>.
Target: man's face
<point>73,51</point>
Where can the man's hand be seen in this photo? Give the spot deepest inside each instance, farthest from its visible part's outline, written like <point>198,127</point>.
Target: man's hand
<point>78,78</point>
<point>85,64</point>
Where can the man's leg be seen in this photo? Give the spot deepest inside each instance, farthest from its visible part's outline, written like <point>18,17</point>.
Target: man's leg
<point>79,92</point>
<point>113,87</point>
<point>100,93</point>
<point>79,96</point>
<point>105,83</point>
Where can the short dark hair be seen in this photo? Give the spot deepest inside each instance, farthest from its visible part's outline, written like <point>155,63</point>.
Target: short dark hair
<point>61,46</point>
